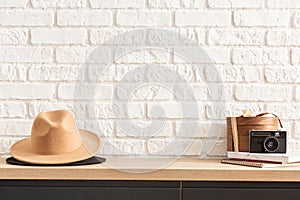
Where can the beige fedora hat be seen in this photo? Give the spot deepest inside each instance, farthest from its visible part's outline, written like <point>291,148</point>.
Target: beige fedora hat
<point>55,139</point>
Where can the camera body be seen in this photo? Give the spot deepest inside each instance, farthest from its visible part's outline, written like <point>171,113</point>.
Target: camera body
<point>262,141</point>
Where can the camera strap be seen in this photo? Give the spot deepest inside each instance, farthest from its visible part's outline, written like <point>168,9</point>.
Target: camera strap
<point>267,113</point>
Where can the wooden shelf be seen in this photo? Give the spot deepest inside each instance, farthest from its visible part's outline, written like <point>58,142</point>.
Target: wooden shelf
<point>134,169</point>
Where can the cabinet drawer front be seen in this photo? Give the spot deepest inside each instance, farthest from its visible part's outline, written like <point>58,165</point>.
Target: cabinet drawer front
<point>240,194</point>
<point>240,190</point>
<point>89,190</point>
<point>87,193</point>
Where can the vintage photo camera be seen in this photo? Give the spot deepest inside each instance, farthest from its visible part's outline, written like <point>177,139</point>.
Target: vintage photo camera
<point>267,141</point>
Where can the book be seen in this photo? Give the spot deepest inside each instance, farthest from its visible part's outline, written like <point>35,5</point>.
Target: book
<point>259,164</point>
<point>275,157</point>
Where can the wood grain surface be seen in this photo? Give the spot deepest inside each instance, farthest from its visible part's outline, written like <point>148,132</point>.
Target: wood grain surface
<point>183,169</point>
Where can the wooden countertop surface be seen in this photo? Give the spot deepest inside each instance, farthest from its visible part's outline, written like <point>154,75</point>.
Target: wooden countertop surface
<point>182,169</point>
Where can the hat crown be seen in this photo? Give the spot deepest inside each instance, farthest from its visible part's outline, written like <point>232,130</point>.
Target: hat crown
<point>54,133</point>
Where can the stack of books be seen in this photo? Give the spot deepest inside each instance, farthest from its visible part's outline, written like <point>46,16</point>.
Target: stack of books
<point>262,160</point>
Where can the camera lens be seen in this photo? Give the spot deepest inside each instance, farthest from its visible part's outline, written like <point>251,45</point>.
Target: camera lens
<point>271,144</point>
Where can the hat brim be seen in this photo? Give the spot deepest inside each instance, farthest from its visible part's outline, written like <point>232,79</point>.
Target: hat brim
<point>90,144</point>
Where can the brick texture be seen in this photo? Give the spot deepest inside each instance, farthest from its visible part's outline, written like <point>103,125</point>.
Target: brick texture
<point>255,18</point>
<point>135,71</point>
<point>235,4</point>
<point>13,36</point>
<point>143,18</point>
<point>13,3</point>
<point>235,37</point>
<point>208,18</point>
<point>58,3</point>
<point>260,56</point>
<point>167,4</point>
<point>84,18</point>
<point>26,91</point>
<point>26,54</point>
<point>27,17</point>
<point>117,4</point>
<point>58,36</point>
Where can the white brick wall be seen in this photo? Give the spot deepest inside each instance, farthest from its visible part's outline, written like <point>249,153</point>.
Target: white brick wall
<point>58,36</point>
<point>53,73</point>
<point>235,37</point>
<point>235,4</point>
<point>252,62</point>
<point>13,3</point>
<point>26,91</point>
<point>84,18</point>
<point>283,4</point>
<point>176,3</point>
<point>259,18</point>
<point>117,4</point>
<point>26,54</point>
<point>204,18</point>
<point>260,56</point>
<point>70,55</point>
<point>13,36</point>
<point>143,18</point>
<point>26,17</point>
<point>59,3</point>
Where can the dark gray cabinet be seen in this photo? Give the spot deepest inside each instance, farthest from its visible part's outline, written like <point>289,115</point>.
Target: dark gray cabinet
<point>89,190</point>
<point>240,190</point>
<point>146,190</point>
